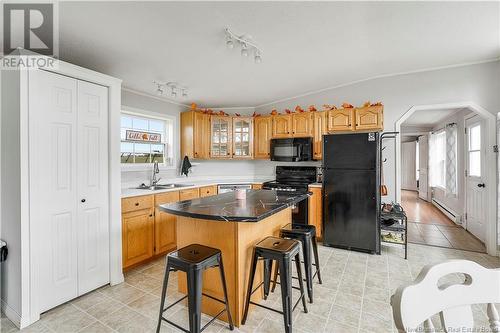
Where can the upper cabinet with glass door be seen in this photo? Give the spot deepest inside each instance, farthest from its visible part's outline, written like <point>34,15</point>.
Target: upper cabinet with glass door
<point>221,137</point>
<point>242,137</point>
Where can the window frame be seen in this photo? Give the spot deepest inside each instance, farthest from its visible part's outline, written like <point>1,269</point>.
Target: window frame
<point>170,121</point>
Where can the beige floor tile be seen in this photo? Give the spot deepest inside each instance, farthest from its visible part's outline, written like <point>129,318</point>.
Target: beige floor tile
<point>66,318</point>
<point>374,324</point>
<point>377,294</point>
<point>123,292</point>
<point>6,326</point>
<point>96,327</point>
<point>37,327</point>
<point>88,300</point>
<point>127,320</point>
<point>379,309</point>
<point>348,300</point>
<point>147,305</point>
<point>309,322</point>
<point>145,282</point>
<point>336,327</point>
<point>104,308</point>
<point>344,315</point>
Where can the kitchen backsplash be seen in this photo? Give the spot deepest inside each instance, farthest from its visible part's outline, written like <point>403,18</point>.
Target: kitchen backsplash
<point>213,169</point>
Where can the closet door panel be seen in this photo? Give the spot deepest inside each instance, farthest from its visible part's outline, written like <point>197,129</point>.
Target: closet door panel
<point>93,221</point>
<point>53,188</point>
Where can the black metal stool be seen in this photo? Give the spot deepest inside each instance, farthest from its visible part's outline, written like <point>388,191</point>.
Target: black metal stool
<point>194,259</point>
<point>283,251</point>
<point>306,234</point>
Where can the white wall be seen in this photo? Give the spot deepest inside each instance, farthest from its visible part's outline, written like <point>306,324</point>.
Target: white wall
<point>408,166</point>
<point>478,83</point>
<point>11,192</point>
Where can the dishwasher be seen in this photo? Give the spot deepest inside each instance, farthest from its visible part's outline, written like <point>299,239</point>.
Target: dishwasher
<point>233,187</point>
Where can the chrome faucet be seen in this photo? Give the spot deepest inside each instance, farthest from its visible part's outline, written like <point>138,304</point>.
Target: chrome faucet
<point>156,170</point>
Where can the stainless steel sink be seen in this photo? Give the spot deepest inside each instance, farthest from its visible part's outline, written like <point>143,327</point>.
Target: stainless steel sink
<point>161,186</point>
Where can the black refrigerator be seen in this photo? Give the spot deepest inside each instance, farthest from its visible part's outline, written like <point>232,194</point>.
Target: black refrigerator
<point>350,191</point>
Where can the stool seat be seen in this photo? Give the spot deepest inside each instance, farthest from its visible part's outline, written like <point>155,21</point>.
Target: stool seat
<point>195,254</point>
<point>306,229</point>
<point>276,244</point>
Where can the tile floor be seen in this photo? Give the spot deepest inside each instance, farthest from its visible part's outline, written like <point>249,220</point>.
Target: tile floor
<point>454,237</point>
<point>354,297</point>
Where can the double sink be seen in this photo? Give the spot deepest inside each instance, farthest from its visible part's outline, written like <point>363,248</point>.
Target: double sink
<point>161,186</point>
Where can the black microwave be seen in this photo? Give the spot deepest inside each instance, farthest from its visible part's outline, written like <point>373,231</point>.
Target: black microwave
<point>292,149</point>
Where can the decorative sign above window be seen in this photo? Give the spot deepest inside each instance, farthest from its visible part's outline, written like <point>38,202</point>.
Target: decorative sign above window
<point>142,136</point>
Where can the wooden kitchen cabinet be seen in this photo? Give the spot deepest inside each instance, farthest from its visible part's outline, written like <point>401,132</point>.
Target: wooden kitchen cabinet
<point>282,126</point>
<point>137,236</point>
<point>189,194</point>
<point>164,230</point>
<point>369,118</point>
<point>195,135</point>
<point>302,124</point>
<point>341,120</point>
<point>320,128</point>
<point>221,135</point>
<point>207,191</point>
<point>242,137</point>
<point>316,210</point>
<point>262,137</point>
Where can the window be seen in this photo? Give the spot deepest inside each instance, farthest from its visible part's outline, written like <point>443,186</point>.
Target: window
<point>437,159</point>
<point>146,139</point>
<point>474,152</point>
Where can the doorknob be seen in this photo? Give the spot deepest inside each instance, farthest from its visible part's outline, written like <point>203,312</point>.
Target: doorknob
<point>481,185</point>
<point>83,200</point>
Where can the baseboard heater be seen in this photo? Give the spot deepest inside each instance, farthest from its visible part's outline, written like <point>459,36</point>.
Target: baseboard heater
<point>446,211</point>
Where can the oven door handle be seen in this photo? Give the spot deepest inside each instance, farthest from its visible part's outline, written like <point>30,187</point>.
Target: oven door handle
<point>299,153</point>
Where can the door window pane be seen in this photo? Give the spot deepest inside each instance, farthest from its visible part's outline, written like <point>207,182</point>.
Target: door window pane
<point>475,137</point>
<point>475,163</point>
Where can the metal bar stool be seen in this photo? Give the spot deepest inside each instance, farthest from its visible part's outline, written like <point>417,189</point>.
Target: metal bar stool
<point>282,251</point>
<point>306,234</point>
<point>194,259</point>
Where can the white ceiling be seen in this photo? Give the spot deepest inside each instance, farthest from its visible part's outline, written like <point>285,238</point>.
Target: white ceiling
<point>429,118</point>
<point>307,45</point>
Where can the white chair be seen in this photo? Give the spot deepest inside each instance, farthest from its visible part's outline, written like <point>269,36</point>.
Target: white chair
<point>414,304</point>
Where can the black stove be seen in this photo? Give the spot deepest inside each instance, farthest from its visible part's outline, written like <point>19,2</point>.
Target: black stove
<point>290,179</point>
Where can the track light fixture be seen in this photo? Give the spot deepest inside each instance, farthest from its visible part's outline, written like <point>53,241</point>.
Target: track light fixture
<point>174,87</point>
<point>246,43</point>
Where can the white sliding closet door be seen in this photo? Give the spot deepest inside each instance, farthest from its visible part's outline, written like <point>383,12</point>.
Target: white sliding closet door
<point>92,166</point>
<point>53,188</point>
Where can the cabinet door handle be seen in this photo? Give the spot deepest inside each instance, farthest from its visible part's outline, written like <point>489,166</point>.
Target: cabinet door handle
<point>83,200</point>
<point>150,215</point>
<point>137,204</point>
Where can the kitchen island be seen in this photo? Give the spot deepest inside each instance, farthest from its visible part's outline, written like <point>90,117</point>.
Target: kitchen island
<point>233,226</point>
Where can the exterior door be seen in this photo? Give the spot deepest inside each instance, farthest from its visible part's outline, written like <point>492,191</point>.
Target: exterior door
<point>423,165</point>
<point>475,193</point>
<point>92,173</point>
<point>54,200</point>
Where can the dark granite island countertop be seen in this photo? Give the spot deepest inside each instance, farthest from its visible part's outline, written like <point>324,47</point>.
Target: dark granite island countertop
<point>258,205</point>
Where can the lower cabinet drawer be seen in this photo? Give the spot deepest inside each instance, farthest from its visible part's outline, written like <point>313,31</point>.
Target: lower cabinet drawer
<point>189,194</point>
<point>137,203</point>
<point>208,191</point>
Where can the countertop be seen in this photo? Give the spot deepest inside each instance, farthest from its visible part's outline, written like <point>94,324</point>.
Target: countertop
<point>129,191</point>
<point>258,205</point>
